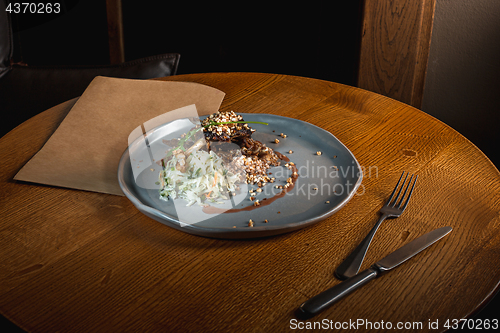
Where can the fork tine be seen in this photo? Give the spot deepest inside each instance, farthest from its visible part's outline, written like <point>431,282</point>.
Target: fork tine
<point>395,188</point>
<point>411,191</point>
<point>400,189</point>
<point>398,205</point>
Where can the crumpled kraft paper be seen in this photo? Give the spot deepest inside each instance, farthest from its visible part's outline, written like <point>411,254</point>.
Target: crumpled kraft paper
<point>84,151</point>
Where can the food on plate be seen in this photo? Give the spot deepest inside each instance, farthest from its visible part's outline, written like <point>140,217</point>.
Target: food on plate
<point>254,157</point>
<point>209,167</point>
<point>225,127</point>
<point>200,175</point>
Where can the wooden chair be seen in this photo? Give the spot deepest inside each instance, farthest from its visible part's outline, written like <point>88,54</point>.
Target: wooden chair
<point>395,43</point>
<point>56,84</point>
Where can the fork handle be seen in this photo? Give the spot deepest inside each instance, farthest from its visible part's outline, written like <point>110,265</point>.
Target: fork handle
<point>350,266</point>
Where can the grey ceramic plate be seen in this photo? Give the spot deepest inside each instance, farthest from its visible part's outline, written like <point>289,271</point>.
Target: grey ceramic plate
<point>325,184</point>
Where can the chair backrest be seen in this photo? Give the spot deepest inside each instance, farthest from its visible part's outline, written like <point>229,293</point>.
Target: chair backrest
<point>28,90</point>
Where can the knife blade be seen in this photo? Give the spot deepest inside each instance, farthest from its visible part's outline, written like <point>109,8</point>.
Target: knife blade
<point>327,298</point>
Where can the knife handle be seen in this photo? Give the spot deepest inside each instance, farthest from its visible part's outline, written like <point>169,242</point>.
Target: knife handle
<point>328,297</point>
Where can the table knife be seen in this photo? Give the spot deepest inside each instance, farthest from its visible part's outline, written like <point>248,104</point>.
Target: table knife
<point>327,298</point>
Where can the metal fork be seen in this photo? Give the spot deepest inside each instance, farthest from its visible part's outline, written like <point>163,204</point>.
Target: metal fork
<point>350,266</point>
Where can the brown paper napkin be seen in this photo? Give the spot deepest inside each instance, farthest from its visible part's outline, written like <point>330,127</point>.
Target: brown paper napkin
<point>84,151</point>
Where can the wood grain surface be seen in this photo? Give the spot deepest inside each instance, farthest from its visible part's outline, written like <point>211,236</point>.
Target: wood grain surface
<point>76,261</point>
<point>395,46</point>
<point>114,17</point>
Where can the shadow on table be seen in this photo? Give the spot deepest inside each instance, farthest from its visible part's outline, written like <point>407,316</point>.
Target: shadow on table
<point>490,312</point>
<point>7,326</point>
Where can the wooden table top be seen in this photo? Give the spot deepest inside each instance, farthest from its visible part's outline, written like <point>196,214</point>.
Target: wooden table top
<point>76,261</point>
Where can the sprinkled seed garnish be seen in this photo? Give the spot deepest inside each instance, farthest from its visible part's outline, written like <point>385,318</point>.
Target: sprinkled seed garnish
<point>290,152</point>
<point>234,122</point>
<point>276,141</point>
<point>250,223</point>
<point>327,202</point>
<point>266,221</point>
<point>318,153</point>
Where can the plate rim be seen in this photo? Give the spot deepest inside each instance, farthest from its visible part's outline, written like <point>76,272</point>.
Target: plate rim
<point>229,232</point>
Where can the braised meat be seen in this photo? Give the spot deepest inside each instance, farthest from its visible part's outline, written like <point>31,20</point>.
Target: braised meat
<point>225,129</point>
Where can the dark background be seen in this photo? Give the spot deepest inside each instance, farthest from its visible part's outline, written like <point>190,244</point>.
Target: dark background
<point>313,39</point>
<point>319,41</point>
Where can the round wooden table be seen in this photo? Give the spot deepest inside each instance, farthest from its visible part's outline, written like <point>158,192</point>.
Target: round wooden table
<point>76,261</point>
